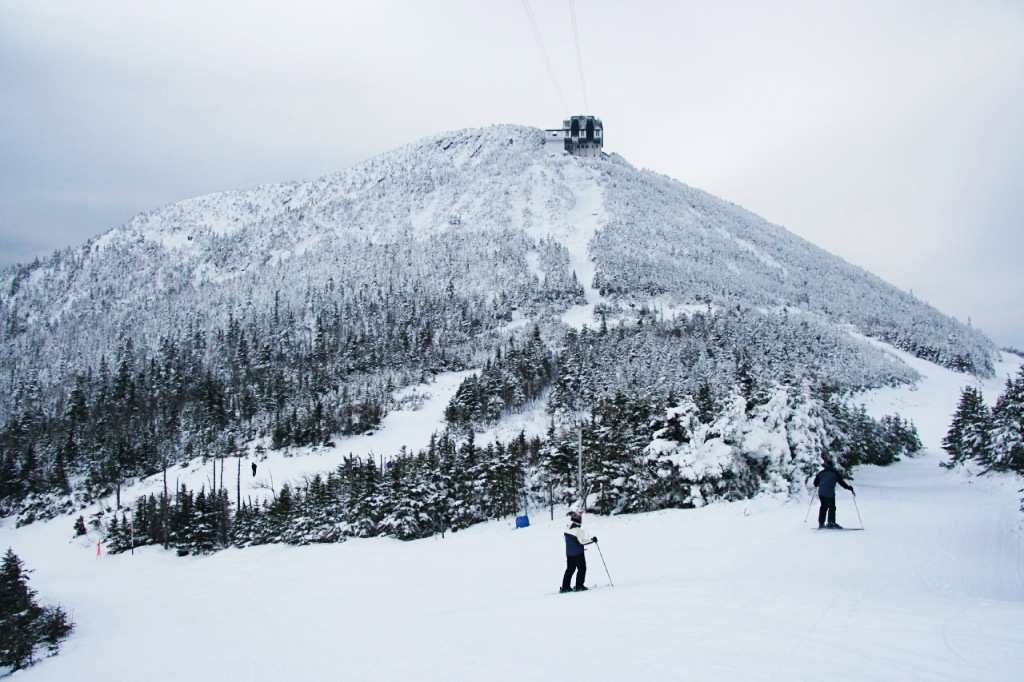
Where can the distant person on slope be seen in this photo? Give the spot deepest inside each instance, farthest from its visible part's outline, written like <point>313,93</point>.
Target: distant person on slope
<point>826,480</point>
<point>575,559</point>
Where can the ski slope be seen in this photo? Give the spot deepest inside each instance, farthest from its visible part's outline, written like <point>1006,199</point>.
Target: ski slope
<point>932,590</point>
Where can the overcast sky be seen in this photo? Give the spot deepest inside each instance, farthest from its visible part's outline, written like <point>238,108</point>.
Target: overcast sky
<point>889,132</point>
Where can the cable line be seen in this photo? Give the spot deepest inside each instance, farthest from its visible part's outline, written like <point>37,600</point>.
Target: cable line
<point>544,52</point>
<point>579,54</point>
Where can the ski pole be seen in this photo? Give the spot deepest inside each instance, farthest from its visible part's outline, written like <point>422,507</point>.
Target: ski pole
<point>601,554</point>
<point>808,514</point>
<point>857,508</point>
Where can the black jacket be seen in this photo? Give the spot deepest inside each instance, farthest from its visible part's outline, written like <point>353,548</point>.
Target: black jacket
<point>826,481</point>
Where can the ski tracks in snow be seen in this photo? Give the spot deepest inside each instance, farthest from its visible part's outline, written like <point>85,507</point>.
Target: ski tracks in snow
<point>932,590</point>
<point>941,562</point>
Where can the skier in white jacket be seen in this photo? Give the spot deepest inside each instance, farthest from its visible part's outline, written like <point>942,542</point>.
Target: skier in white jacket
<point>575,559</point>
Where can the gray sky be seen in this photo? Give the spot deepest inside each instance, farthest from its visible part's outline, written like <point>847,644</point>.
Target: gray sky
<point>889,132</point>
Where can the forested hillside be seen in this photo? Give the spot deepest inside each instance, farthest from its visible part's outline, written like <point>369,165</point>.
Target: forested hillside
<point>289,315</point>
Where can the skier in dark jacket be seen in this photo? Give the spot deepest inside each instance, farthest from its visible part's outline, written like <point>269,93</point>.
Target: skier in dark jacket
<point>575,559</point>
<point>826,481</point>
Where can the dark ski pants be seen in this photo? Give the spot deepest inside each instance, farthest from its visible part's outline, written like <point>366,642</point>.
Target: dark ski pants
<point>575,564</point>
<point>828,508</point>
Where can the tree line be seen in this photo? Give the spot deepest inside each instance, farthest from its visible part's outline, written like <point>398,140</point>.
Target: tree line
<point>638,454</point>
<point>204,393</point>
<point>447,486</point>
<point>708,354</point>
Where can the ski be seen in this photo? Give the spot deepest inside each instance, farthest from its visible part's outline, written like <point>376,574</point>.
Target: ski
<point>589,589</point>
<point>826,528</point>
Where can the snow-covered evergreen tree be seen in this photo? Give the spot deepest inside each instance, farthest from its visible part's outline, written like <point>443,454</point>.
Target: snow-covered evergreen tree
<point>1007,435</point>
<point>24,624</point>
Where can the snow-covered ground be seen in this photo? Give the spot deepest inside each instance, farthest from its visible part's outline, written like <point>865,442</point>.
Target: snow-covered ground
<point>932,590</point>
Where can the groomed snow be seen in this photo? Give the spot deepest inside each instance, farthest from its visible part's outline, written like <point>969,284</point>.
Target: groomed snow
<point>932,590</point>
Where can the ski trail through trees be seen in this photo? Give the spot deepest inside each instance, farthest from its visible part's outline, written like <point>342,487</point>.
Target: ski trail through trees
<point>740,590</point>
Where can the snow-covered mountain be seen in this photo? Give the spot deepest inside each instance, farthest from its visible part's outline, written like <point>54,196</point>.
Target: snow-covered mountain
<point>470,208</point>
<point>289,314</point>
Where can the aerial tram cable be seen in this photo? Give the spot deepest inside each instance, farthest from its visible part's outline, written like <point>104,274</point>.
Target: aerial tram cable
<point>579,54</point>
<point>544,53</point>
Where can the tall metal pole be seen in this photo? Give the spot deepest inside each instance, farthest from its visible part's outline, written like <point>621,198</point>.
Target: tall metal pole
<point>582,501</point>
